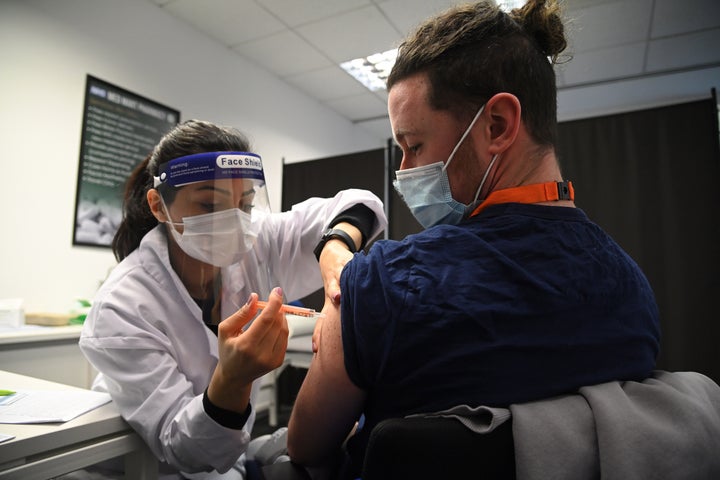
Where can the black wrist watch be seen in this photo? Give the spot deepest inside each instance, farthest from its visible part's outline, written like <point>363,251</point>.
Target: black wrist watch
<point>333,233</point>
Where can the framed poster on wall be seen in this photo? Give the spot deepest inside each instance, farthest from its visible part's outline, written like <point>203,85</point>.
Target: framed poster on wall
<point>119,130</point>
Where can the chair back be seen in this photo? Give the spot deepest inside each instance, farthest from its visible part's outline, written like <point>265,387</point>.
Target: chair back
<point>437,448</point>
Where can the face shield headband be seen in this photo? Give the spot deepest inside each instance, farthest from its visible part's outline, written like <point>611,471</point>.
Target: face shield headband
<point>239,174</point>
<point>210,166</point>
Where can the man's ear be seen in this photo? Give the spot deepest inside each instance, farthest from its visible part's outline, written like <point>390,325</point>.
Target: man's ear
<point>155,204</point>
<point>504,112</point>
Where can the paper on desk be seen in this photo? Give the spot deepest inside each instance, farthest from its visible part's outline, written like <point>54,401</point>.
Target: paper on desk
<point>49,406</point>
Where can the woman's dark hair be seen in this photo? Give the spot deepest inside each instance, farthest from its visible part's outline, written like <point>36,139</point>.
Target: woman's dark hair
<point>187,138</point>
<point>472,52</point>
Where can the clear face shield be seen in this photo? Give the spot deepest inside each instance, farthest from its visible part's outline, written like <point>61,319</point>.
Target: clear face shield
<point>217,204</point>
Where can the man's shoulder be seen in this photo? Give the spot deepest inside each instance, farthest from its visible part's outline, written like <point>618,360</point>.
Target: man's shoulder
<point>401,248</point>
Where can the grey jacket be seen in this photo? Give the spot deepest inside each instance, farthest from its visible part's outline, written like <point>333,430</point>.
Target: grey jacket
<point>666,427</point>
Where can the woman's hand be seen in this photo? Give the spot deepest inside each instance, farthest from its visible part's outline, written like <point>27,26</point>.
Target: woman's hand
<point>333,258</point>
<point>247,355</point>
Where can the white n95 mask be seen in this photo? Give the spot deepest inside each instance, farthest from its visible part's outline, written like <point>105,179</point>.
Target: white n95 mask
<point>219,238</point>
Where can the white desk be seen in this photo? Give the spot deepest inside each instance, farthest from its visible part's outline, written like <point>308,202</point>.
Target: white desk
<point>42,451</point>
<point>299,351</point>
<point>50,353</point>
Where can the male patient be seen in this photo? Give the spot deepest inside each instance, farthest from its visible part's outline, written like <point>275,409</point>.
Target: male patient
<point>511,293</point>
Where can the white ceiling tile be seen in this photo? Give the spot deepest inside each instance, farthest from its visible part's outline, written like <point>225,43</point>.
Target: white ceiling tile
<point>573,5</point>
<point>299,12</point>
<point>228,21</point>
<point>284,53</point>
<point>603,64</point>
<point>684,51</point>
<point>379,128</point>
<point>302,41</point>
<point>634,94</point>
<point>609,25</point>
<point>351,35</point>
<point>359,107</point>
<point>327,83</point>
<point>672,17</point>
<point>405,15</point>
<point>382,95</point>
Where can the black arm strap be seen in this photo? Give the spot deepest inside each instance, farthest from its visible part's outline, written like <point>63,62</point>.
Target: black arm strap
<point>361,217</point>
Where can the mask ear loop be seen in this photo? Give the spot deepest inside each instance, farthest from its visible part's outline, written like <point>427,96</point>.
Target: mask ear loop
<point>467,132</point>
<point>487,172</point>
<point>157,181</point>
<point>167,213</point>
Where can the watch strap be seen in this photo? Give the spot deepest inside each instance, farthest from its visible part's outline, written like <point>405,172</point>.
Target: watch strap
<point>331,234</point>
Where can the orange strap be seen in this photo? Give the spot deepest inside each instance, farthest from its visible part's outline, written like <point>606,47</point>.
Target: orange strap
<point>538,192</point>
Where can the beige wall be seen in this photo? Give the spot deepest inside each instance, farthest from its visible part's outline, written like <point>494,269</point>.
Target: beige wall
<point>47,47</point>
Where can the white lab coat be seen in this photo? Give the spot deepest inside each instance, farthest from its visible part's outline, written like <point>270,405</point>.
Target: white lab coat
<point>146,337</point>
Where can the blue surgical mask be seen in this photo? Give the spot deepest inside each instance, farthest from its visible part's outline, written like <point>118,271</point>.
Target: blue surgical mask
<point>426,189</point>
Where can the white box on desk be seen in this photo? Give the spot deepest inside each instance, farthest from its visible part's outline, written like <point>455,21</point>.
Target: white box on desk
<point>11,312</point>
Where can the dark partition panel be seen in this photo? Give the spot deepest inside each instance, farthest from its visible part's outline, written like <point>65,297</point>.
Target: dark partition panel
<point>325,177</point>
<point>650,178</point>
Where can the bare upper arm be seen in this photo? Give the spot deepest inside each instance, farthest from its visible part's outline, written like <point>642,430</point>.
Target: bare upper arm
<point>328,403</point>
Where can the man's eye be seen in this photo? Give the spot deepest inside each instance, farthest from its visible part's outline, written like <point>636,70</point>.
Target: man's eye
<point>414,148</point>
<point>247,208</point>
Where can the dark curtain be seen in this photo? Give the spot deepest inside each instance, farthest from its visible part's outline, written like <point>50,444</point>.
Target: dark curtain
<point>324,178</point>
<point>649,179</point>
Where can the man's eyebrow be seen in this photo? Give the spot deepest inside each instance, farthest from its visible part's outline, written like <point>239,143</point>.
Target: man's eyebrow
<point>399,136</point>
<point>248,192</point>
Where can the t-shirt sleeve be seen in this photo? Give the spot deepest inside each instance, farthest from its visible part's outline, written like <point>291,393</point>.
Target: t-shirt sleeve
<point>372,294</point>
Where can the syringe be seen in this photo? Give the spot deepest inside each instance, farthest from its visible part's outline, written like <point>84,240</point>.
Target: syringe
<point>293,310</point>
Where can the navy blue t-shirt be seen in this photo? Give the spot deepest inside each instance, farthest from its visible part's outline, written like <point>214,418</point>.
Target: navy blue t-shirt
<point>519,303</point>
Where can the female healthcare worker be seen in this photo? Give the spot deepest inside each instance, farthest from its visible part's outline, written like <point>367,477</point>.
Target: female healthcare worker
<point>198,244</point>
